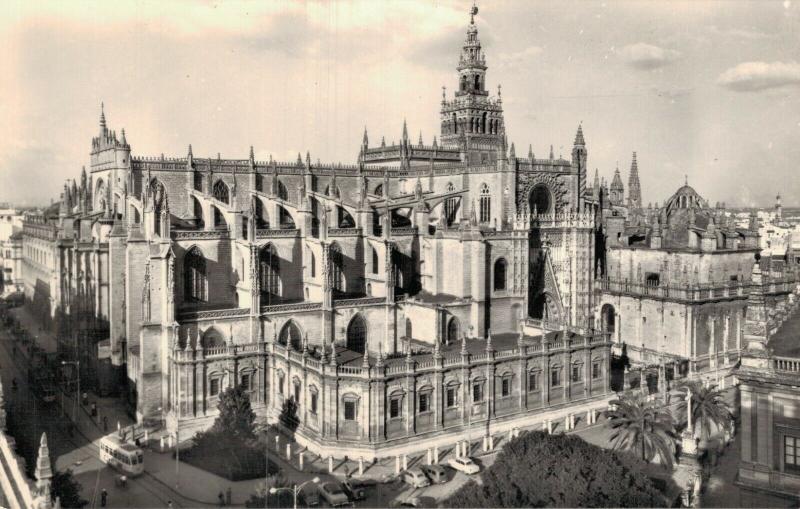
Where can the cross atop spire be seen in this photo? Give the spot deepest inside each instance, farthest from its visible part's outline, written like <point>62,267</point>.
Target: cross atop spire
<point>472,13</point>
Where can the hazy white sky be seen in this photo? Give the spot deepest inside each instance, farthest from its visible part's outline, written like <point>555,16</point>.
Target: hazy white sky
<point>705,89</point>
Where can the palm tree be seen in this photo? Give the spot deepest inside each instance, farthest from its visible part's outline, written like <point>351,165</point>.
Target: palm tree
<point>642,426</point>
<point>710,411</point>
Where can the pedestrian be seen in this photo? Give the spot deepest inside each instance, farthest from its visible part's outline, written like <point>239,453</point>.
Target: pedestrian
<point>85,399</point>
<point>105,423</point>
<point>103,497</point>
<point>94,409</point>
<point>228,495</point>
<point>169,504</point>
<point>221,498</point>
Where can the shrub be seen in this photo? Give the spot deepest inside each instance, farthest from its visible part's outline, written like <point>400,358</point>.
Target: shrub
<point>541,470</point>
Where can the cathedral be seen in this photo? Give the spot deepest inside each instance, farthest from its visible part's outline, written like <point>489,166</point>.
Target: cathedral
<point>425,290</point>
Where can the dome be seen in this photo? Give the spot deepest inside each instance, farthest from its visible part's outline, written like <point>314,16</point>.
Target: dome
<point>685,198</point>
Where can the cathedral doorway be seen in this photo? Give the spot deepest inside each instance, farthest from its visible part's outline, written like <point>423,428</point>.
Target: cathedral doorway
<point>540,200</point>
<point>357,334</point>
<point>608,318</point>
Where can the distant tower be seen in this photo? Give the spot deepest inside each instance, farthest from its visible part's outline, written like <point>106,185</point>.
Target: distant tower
<point>778,208</point>
<point>617,189</point>
<point>579,154</point>
<point>634,189</point>
<point>472,115</point>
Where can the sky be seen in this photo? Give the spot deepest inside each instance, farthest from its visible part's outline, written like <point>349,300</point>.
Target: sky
<point>703,91</point>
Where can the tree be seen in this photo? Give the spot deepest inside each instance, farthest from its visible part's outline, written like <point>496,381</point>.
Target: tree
<point>64,487</point>
<point>236,419</point>
<point>642,426</point>
<point>541,470</point>
<point>710,411</point>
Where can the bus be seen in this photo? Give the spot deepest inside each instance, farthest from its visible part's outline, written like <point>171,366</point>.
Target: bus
<point>121,455</point>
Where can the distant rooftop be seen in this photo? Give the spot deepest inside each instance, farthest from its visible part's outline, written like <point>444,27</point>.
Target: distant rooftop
<point>786,341</point>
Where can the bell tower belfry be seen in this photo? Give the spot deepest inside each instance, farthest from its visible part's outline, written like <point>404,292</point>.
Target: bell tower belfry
<point>472,119</point>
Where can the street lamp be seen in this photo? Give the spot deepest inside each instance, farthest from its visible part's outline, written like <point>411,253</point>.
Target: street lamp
<point>294,489</point>
<point>77,365</point>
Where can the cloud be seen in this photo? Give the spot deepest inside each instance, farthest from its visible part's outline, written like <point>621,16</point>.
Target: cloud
<point>741,33</point>
<point>519,57</point>
<point>755,76</point>
<point>646,56</point>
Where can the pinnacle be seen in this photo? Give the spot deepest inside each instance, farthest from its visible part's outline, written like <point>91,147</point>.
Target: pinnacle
<point>579,141</point>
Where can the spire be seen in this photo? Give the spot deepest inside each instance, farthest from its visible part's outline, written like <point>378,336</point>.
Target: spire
<point>103,127</point>
<point>596,179</point>
<point>252,154</point>
<point>579,142</point>
<point>43,472</point>
<point>124,141</point>
<point>435,144</point>
<point>634,187</point>
<point>420,139</point>
<point>512,154</point>
<point>365,140</point>
<point>551,153</point>
<point>530,153</point>
<point>405,131</point>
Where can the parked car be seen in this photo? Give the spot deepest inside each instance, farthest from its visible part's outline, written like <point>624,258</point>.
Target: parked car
<point>310,495</point>
<point>414,502</point>
<point>464,464</point>
<point>355,489</point>
<point>415,478</point>
<point>436,473</point>
<point>333,494</point>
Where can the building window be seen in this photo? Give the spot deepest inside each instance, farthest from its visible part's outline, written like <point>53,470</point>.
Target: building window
<point>374,261</point>
<point>533,381</point>
<point>477,392</point>
<point>280,384</point>
<point>791,453</point>
<point>194,276</point>
<point>576,373</point>
<point>349,410</point>
<point>505,386</point>
<point>269,274</point>
<point>314,402</point>
<point>555,377</point>
<point>246,382</point>
<point>213,387</point>
<point>395,404</point>
<point>486,204</point>
<point>297,392</point>
<point>500,274</point>
<point>451,397</point>
<point>337,264</point>
<point>424,402</point>
<point>221,192</point>
<point>596,371</point>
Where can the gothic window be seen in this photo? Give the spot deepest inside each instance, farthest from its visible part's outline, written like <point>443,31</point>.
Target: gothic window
<point>375,263</point>
<point>283,194</point>
<point>452,330</point>
<point>486,204</point>
<point>221,192</point>
<point>539,201</point>
<point>357,334</point>
<point>337,264</point>
<point>269,274</point>
<point>500,274</point>
<point>291,336</point>
<point>450,206</point>
<point>194,276</point>
<point>379,190</point>
<point>313,265</point>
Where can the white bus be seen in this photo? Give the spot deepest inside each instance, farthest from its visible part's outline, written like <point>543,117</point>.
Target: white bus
<point>123,456</point>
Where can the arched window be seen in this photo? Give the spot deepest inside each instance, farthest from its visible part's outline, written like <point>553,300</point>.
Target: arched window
<point>269,274</point>
<point>483,122</point>
<point>357,334</point>
<point>313,265</point>
<point>455,124</point>
<point>452,330</point>
<point>221,192</point>
<point>409,329</point>
<point>212,338</point>
<point>486,204</point>
<point>291,336</point>
<point>463,83</point>
<point>379,190</point>
<point>374,261</point>
<point>500,274</point>
<point>194,276</point>
<point>337,262</point>
<point>477,82</point>
<point>283,194</point>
